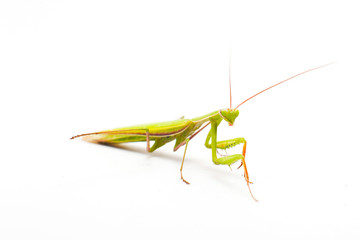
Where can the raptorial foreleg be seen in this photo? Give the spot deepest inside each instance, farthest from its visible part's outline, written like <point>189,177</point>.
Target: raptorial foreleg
<point>230,159</point>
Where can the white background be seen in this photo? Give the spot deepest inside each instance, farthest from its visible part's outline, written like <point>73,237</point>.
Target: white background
<point>69,67</point>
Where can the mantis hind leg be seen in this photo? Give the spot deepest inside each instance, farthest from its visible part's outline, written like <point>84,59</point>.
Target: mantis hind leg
<point>182,163</point>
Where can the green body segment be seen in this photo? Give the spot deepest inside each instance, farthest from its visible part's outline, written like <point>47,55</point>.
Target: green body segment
<point>161,133</point>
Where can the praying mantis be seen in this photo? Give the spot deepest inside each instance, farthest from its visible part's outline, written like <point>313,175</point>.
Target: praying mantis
<point>183,130</point>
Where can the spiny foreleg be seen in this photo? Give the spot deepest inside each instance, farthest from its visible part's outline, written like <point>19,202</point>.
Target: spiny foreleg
<point>226,144</point>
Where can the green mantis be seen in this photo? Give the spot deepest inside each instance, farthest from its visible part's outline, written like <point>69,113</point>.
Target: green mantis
<point>183,130</point>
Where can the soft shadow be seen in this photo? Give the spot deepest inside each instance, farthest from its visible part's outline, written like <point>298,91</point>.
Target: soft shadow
<point>140,150</point>
<point>225,178</point>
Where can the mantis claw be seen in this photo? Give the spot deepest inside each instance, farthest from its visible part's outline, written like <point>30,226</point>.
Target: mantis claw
<point>251,192</point>
<point>184,180</point>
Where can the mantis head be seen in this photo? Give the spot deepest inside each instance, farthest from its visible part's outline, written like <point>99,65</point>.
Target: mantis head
<point>229,115</point>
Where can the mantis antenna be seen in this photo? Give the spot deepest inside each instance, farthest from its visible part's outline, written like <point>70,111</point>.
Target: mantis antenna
<point>230,80</point>
<point>280,83</point>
